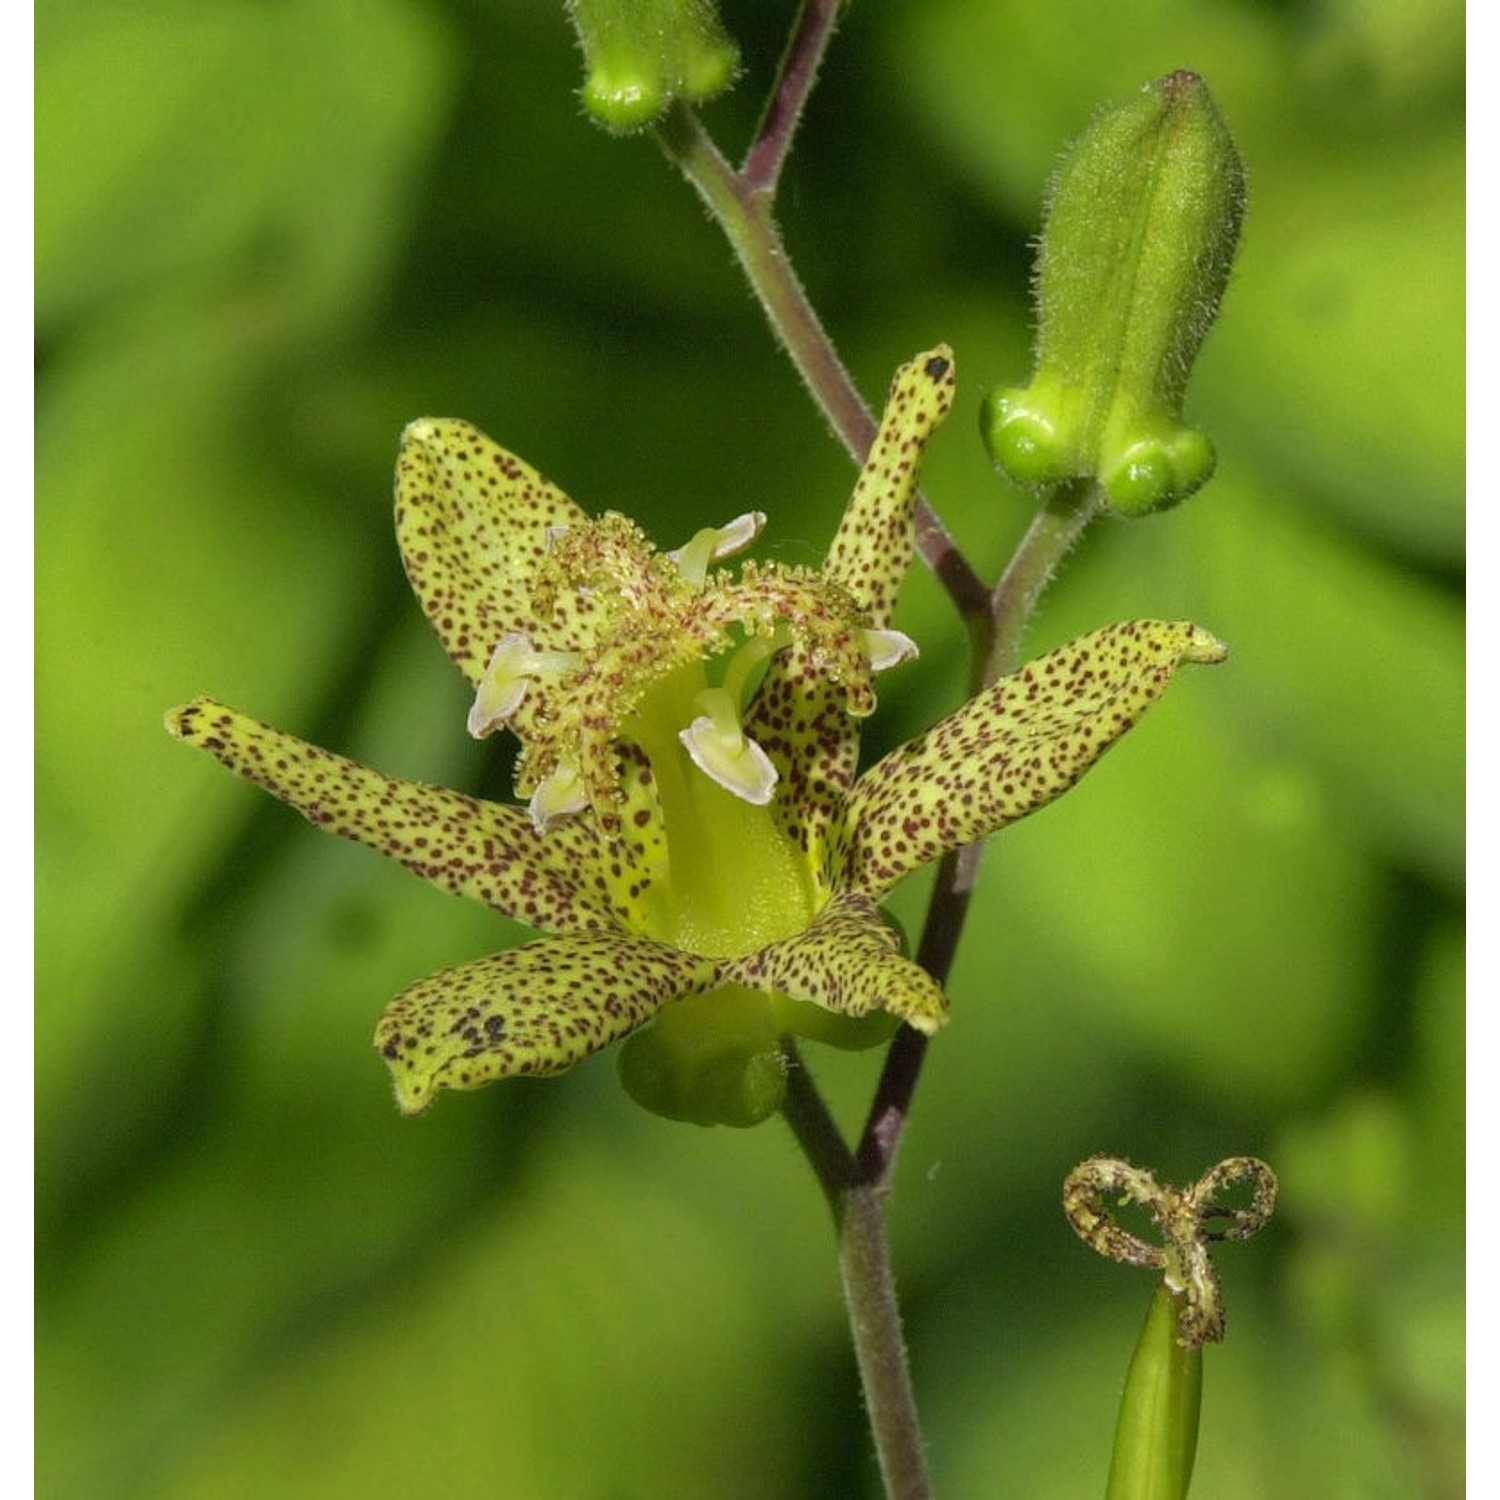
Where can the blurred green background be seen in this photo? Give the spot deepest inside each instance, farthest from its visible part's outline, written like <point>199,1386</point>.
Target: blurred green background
<point>268,235</point>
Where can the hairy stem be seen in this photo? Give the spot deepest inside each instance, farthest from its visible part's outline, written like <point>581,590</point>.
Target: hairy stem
<point>1060,520</point>
<point>856,1183</point>
<point>875,1321</point>
<point>858,1208</point>
<point>1065,511</point>
<point>744,214</point>
<point>817,1133</point>
<point>799,70</point>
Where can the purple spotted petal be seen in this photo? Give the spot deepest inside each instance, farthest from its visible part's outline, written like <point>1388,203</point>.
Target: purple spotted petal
<point>472,521</point>
<point>536,1009</point>
<point>872,548</point>
<point>484,850</point>
<point>847,962</point>
<point>1011,749</point>
<point>799,719</point>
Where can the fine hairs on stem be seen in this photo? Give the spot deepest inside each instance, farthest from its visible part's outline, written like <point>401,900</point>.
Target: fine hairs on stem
<point>856,1182</point>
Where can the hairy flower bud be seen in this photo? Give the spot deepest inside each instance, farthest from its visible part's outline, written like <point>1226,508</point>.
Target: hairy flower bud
<point>1140,235</point>
<point>640,55</point>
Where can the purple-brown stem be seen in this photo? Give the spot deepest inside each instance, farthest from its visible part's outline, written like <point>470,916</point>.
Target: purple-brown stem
<point>799,70</point>
<point>857,1183</point>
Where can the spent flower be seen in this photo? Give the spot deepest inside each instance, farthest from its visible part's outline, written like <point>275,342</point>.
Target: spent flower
<point>1190,1219</point>
<point>695,838</point>
<point>1156,1432</point>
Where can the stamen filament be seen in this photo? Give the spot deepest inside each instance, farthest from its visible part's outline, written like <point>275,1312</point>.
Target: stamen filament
<point>756,650</point>
<point>715,543</point>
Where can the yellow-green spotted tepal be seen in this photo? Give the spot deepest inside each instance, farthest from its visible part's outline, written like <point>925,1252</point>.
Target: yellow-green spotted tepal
<point>693,834</point>
<point>1140,234</point>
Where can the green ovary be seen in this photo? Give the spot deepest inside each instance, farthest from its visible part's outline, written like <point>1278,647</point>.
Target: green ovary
<point>711,1060</point>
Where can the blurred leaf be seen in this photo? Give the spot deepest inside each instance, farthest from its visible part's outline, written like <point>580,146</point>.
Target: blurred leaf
<point>1005,86</point>
<point>269,235</point>
<point>182,139</point>
<point>1343,657</point>
<point>1439,1078</point>
<point>1030,1406</point>
<point>512,1365</point>
<point>1350,337</point>
<point>144,544</point>
<point>1392,55</point>
<point>187,213</point>
<point>1376,1279</point>
<point>1176,883</point>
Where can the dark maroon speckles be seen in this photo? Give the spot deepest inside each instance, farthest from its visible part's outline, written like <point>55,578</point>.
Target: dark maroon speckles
<point>483,850</point>
<point>536,1009</point>
<point>491,547</point>
<point>1007,752</point>
<point>872,549</point>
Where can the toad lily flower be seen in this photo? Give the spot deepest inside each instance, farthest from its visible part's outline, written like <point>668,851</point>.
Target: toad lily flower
<point>695,840</point>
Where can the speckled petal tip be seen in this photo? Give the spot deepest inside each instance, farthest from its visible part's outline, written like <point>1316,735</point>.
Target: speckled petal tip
<point>798,716</point>
<point>872,548</point>
<point>484,850</point>
<point>473,524</point>
<point>1012,749</point>
<point>847,962</point>
<point>537,1009</point>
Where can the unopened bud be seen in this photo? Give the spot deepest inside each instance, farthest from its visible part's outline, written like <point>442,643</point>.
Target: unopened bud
<point>640,55</point>
<point>1140,235</point>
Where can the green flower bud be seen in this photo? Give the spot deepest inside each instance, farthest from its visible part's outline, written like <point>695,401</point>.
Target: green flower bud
<point>1140,235</point>
<point>640,55</point>
<point>1156,1435</point>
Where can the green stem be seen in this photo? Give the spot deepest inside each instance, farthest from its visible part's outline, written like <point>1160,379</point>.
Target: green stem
<point>743,211</point>
<point>856,1184</point>
<point>875,1321</point>
<point>858,1208</point>
<point>744,214</point>
<point>1065,511</point>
